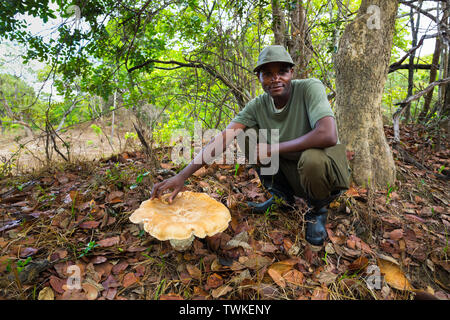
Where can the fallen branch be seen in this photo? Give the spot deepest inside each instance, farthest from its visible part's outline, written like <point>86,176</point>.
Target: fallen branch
<point>408,158</point>
<point>403,104</point>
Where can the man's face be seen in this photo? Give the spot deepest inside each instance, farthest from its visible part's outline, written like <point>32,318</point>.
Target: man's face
<point>275,78</point>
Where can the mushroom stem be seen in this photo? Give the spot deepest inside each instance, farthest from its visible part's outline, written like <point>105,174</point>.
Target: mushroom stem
<point>182,245</point>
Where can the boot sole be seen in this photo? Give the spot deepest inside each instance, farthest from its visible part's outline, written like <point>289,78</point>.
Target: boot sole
<point>316,248</point>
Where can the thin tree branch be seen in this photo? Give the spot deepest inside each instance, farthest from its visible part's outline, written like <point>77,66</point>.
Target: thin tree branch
<point>424,91</point>
<point>415,66</point>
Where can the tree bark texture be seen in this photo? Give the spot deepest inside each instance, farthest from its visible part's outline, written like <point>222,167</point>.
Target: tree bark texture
<point>362,64</point>
<point>414,31</point>
<point>433,74</point>
<point>290,29</point>
<point>444,106</point>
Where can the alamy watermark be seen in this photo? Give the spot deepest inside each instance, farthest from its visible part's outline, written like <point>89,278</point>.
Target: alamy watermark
<point>374,21</point>
<point>75,15</point>
<point>374,279</point>
<point>74,280</point>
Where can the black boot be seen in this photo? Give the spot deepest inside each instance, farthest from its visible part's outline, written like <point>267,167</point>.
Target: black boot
<point>316,219</point>
<point>316,233</point>
<point>278,186</point>
<point>276,194</point>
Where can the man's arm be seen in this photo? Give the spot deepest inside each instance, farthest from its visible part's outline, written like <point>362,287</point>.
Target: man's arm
<point>223,139</point>
<point>322,136</point>
<point>176,183</point>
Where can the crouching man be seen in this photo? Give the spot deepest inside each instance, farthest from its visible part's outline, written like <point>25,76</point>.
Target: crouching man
<point>311,163</point>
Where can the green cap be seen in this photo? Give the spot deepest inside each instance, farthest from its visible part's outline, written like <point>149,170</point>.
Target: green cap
<point>273,53</point>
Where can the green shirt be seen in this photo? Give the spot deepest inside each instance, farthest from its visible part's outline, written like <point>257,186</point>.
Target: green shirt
<point>307,104</point>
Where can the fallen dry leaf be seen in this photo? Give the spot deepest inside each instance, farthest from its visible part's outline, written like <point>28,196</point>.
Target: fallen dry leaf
<point>167,166</point>
<point>220,291</point>
<point>255,261</point>
<point>294,277</point>
<point>114,197</point>
<point>170,296</point>
<point>73,295</point>
<point>359,264</point>
<point>396,234</point>
<point>287,244</point>
<point>213,281</point>
<point>326,277</point>
<point>277,237</point>
<point>73,195</point>
<point>194,272</point>
<point>267,247</point>
<point>98,259</point>
<point>282,266</point>
<point>110,293</point>
<point>90,290</point>
<point>118,268</point>
<point>352,192</point>
<point>393,275</point>
<point>240,240</point>
<point>110,282</point>
<point>200,172</point>
<point>320,293</point>
<point>89,224</point>
<point>26,252</point>
<point>57,284</point>
<point>129,279</point>
<point>277,277</point>
<point>46,294</point>
<point>108,242</point>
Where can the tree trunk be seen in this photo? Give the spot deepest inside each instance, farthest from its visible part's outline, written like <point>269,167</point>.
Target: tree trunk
<point>278,24</point>
<point>433,73</point>
<point>414,31</point>
<point>445,107</point>
<point>362,64</point>
<point>445,113</point>
<point>292,33</point>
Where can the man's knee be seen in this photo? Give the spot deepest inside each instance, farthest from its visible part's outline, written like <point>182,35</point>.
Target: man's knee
<point>313,162</point>
<point>314,171</point>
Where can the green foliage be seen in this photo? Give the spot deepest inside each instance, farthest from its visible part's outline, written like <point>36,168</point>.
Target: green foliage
<point>120,47</point>
<point>130,135</point>
<point>390,189</point>
<point>139,179</point>
<point>18,98</point>
<point>19,265</point>
<point>91,245</point>
<point>97,129</point>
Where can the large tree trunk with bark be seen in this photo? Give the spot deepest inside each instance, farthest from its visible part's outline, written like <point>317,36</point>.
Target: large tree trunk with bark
<point>362,64</point>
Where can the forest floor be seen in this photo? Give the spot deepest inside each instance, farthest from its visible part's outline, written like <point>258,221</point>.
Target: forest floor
<point>383,244</point>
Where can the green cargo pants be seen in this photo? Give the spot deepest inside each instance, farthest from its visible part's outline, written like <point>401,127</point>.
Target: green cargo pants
<point>313,174</point>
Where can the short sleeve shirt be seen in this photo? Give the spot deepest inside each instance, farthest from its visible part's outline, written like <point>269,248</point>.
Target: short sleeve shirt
<point>308,104</point>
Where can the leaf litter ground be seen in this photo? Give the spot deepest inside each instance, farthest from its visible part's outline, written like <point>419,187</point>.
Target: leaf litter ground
<point>72,220</point>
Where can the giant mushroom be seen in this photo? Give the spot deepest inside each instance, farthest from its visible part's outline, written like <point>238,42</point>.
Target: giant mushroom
<point>190,215</point>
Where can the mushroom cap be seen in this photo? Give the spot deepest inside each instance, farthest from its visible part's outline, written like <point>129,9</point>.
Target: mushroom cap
<point>191,213</point>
